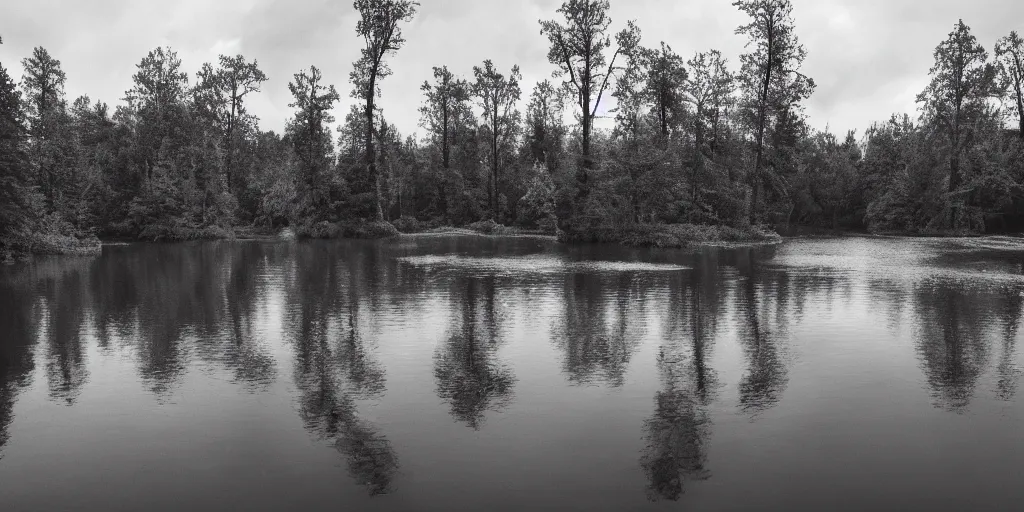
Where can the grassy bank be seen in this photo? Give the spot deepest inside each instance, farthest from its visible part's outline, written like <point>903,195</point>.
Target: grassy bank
<point>668,235</point>
<point>633,235</point>
<point>21,247</point>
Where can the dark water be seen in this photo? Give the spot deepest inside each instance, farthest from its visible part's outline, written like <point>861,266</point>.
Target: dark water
<point>466,373</point>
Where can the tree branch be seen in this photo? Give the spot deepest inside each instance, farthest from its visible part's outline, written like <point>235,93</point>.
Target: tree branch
<point>568,61</point>
<point>611,68</point>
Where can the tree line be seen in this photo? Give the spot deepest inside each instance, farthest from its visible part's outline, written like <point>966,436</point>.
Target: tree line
<point>696,140</point>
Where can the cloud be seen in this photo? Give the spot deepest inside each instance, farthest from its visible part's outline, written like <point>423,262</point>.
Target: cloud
<point>868,57</point>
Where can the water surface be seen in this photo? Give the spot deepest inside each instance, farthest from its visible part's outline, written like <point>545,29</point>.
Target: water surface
<point>474,373</point>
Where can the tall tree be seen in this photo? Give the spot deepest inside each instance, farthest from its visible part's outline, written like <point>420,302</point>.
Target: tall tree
<point>956,99</point>
<point>545,129</point>
<point>451,126</point>
<point>578,48</point>
<point>709,90</point>
<point>631,98</point>
<point>379,27</point>
<point>444,100</point>
<point>238,78</point>
<point>311,141</point>
<point>94,160</point>
<point>15,185</point>
<point>43,86</point>
<point>155,104</point>
<point>43,90</point>
<point>632,125</point>
<point>498,96</point>
<point>770,76</point>
<point>666,76</point>
<point>1010,54</point>
<point>227,127</point>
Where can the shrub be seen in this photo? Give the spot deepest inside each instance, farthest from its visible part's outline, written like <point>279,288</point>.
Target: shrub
<point>407,224</point>
<point>486,227</point>
<point>489,227</point>
<point>318,230</point>
<point>347,229</point>
<point>369,229</point>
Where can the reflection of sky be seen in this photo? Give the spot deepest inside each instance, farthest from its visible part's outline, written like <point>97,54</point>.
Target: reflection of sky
<point>960,260</point>
<point>536,264</point>
<point>842,320</point>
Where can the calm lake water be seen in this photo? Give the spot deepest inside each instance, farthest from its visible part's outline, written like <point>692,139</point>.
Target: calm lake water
<point>442,373</point>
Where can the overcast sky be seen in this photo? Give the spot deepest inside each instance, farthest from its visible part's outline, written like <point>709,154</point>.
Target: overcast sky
<point>869,57</point>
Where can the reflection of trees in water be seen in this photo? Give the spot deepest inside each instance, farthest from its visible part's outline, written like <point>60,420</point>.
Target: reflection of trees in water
<point>55,291</point>
<point>18,321</point>
<point>766,301</point>
<point>333,366</point>
<point>151,299</point>
<point>170,302</point>
<point>236,344</point>
<point>760,333</point>
<point>61,288</point>
<point>956,328</point>
<point>1008,372</point>
<point>889,298</point>
<point>953,323</point>
<point>592,348</point>
<point>468,377</point>
<point>677,432</point>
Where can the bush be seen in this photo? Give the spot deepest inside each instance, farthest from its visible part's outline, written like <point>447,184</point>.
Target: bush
<point>57,244</point>
<point>489,227</point>
<point>548,224</point>
<point>347,229</point>
<point>409,225</point>
<point>318,230</point>
<point>22,245</point>
<point>486,227</point>
<point>369,229</point>
<point>181,233</point>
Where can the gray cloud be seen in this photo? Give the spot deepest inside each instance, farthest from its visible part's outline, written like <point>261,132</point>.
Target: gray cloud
<point>868,57</point>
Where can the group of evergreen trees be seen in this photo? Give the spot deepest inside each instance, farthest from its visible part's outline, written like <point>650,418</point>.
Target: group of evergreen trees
<point>694,141</point>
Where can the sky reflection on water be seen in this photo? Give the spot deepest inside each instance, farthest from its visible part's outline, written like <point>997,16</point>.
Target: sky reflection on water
<point>458,373</point>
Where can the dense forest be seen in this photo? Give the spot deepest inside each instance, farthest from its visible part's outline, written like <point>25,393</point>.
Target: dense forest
<point>699,143</point>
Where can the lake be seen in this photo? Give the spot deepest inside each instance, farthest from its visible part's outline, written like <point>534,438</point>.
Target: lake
<point>440,373</point>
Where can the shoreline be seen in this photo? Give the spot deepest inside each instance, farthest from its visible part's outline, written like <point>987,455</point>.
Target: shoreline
<point>638,236</point>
